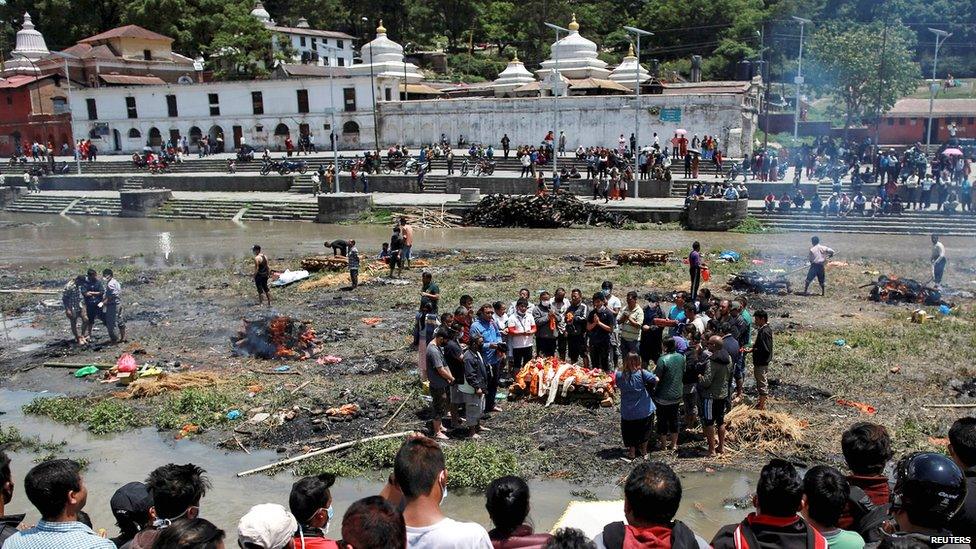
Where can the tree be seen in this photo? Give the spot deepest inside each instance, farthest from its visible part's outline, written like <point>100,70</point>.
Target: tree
<point>845,61</point>
<point>241,46</point>
<point>498,26</point>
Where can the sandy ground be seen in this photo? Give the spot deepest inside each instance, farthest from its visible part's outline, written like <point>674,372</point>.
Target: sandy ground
<point>186,315</point>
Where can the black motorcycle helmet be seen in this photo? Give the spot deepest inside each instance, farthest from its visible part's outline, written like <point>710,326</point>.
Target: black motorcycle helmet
<point>929,488</point>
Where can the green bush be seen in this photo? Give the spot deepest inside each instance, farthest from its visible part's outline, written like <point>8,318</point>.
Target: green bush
<point>100,417</point>
<point>60,409</point>
<point>474,465</point>
<point>467,65</point>
<point>111,416</point>
<point>203,407</point>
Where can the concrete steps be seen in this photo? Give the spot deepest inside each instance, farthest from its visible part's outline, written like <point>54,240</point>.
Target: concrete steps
<point>282,211</point>
<point>435,184</point>
<point>911,222</point>
<point>199,209</point>
<point>133,183</point>
<point>69,205</point>
<point>96,206</point>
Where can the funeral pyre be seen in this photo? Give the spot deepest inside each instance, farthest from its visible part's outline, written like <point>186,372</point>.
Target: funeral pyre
<point>754,281</point>
<point>541,212</point>
<point>890,289</point>
<point>276,336</point>
<point>555,381</point>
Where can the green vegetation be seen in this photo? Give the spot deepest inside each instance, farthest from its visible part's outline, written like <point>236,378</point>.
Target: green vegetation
<point>99,416</point>
<point>375,216</point>
<point>202,407</point>
<point>751,225</point>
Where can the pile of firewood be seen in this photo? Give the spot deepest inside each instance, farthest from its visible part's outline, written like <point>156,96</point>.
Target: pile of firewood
<point>318,263</point>
<point>435,219</point>
<point>540,212</point>
<point>638,256</point>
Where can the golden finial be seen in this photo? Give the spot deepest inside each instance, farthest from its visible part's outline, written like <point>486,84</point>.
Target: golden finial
<point>516,59</point>
<point>381,29</point>
<point>630,52</point>
<point>573,25</point>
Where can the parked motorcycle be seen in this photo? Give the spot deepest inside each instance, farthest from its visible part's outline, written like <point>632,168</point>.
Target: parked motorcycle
<point>484,167</point>
<point>268,165</point>
<point>286,167</point>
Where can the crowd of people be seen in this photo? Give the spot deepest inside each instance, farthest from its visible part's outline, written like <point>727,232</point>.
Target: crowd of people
<point>89,298</point>
<point>928,502</point>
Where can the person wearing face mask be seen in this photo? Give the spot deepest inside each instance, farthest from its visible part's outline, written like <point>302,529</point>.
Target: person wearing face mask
<point>521,329</point>
<point>546,322</point>
<point>176,492</point>
<point>421,476</point>
<point>311,503</point>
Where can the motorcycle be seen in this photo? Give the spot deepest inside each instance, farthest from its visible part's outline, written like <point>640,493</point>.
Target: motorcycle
<point>285,167</point>
<point>396,165</point>
<point>484,167</point>
<point>268,165</point>
<point>465,168</point>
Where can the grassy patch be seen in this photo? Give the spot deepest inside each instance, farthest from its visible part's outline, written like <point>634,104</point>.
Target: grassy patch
<point>99,417</point>
<point>203,407</point>
<point>750,225</point>
<point>376,216</point>
<point>363,458</point>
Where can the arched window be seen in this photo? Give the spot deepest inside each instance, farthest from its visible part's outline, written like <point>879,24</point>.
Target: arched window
<point>281,130</point>
<point>134,134</point>
<point>350,127</point>
<point>195,134</point>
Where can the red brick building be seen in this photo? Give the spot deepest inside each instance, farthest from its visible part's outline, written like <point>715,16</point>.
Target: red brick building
<point>906,122</point>
<point>33,108</point>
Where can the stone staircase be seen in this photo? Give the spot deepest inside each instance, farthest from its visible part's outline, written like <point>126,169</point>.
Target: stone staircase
<point>68,205</point>
<point>199,209</point>
<point>435,184</point>
<point>282,211</point>
<point>910,222</point>
<point>133,184</point>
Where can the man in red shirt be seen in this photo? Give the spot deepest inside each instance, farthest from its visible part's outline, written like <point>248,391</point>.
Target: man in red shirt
<point>311,503</point>
<point>867,449</point>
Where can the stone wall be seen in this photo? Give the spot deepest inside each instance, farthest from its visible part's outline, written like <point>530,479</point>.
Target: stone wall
<point>173,182</point>
<point>342,207</point>
<point>586,120</point>
<point>715,214</point>
<point>138,203</point>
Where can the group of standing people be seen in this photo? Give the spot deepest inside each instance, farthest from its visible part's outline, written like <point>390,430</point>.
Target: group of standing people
<point>88,298</point>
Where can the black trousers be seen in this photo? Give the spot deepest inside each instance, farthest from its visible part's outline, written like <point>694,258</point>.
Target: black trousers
<point>600,356</point>
<point>494,374</point>
<point>695,274</point>
<point>520,355</point>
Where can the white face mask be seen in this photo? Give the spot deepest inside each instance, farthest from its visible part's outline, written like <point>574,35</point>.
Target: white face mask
<point>331,513</point>
<point>546,303</point>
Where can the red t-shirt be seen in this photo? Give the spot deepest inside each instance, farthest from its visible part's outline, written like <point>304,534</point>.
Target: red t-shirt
<point>315,543</point>
<point>876,488</point>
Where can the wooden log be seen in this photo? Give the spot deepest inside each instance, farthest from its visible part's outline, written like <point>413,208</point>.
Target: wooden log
<point>30,291</point>
<point>319,452</point>
<point>73,365</point>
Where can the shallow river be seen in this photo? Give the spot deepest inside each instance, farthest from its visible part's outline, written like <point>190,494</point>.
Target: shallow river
<point>27,239</point>
<point>115,460</point>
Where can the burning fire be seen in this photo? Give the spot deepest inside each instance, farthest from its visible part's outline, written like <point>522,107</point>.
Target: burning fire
<point>276,337</point>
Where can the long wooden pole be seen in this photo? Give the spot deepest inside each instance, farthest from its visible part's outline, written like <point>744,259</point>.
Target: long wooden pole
<point>328,450</point>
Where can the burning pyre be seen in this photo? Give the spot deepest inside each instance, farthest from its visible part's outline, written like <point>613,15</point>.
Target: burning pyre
<point>754,281</point>
<point>890,289</point>
<point>276,336</point>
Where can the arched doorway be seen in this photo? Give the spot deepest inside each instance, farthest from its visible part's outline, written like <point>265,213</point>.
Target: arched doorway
<point>195,135</point>
<point>216,135</point>
<point>281,133</point>
<point>18,145</point>
<point>350,133</point>
<point>155,138</point>
<point>134,134</point>
<point>116,140</point>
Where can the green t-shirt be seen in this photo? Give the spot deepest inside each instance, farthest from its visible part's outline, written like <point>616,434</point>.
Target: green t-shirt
<point>747,317</point>
<point>844,539</point>
<point>431,288</point>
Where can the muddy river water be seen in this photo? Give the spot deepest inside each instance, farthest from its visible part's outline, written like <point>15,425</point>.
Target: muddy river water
<point>27,239</point>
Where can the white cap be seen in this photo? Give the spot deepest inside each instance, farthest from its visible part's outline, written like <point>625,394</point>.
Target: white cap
<point>267,525</point>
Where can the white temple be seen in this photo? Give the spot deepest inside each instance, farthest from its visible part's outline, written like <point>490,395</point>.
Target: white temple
<point>629,71</point>
<point>574,57</point>
<point>262,14</point>
<point>383,58</point>
<point>30,44</point>
<point>514,76</point>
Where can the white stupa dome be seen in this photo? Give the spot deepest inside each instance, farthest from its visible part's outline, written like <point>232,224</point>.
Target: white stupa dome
<point>261,14</point>
<point>514,75</point>
<point>628,72</point>
<point>386,59</point>
<point>574,57</point>
<point>30,42</point>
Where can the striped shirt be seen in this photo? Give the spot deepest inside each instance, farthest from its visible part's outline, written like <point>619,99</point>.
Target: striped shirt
<point>58,535</point>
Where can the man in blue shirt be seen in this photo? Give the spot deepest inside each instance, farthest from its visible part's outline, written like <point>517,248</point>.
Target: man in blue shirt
<point>58,491</point>
<point>485,327</point>
<point>677,312</point>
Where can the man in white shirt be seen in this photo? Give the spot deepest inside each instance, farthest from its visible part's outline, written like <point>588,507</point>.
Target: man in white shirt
<point>421,477</point>
<point>819,254</point>
<point>614,304</point>
<point>521,334</point>
<point>938,260</point>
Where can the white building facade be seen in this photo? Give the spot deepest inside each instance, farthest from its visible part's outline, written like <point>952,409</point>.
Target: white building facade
<point>310,46</point>
<point>261,113</point>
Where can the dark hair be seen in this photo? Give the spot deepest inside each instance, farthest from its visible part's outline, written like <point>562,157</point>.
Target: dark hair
<point>599,297</point>
<point>80,279</point>
<point>760,314</point>
<point>256,248</point>
<point>190,534</point>
<point>507,503</point>
<point>92,272</point>
<point>372,523</point>
<point>683,295</point>
<point>107,272</point>
<point>4,468</point>
<point>310,494</point>
<point>522,302</point>
<point>689,308</point>
<point>653,491</point>
<point>695,245</point>
<point>669,345</point>
<point>827,491</point>
<point>631,295</point>
<point>526,290</point>
<point>576,290</point>
<point>48,483</point>
<point>496,305</point>
<point>485,307</point>
<point>867,448</point>
<point>465,298</point>
<point>84,518</point>
<point>902,542</point>
<point>607,285</point>
<point>544,292</point>
<point>569,538</point>
<point>962,437</point>
<point>418,463</point>
<point>780,490</point>
<point>815,240</point>
<point>443,332</point>
<point>176,488</point>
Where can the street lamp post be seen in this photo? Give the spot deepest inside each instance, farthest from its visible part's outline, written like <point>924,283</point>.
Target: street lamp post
<point>334,136</point>
<point>372,93</point>
<point>940,37</point>
<point>67,78</point>
<point>799,76</point>
<point>556,81</point>
<point>637,84</point>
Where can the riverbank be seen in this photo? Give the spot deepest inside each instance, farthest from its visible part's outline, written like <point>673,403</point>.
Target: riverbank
<point>185,311</point>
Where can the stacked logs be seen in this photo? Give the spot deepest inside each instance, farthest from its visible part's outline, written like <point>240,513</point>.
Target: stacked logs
<point>638,256</point>
<point>549,211</point>
<point>318,263</point>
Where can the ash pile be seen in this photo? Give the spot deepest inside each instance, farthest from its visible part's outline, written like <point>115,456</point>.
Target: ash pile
<point>757,282</point>
<point>549,211</point>
<point>275,337</point>
<point>890,289</point>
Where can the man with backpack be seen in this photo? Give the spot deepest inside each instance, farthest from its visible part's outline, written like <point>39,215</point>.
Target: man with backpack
<point>652,494</point>
<point>867,449</point>
<point>775,524</point>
